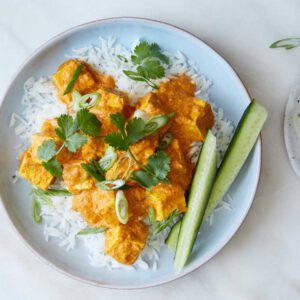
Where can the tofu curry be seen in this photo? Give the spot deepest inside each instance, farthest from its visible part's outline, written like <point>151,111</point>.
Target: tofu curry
<point>147,168</point>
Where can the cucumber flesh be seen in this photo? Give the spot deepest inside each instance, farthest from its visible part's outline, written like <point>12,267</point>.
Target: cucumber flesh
<point>197,201</point>
<point>172,238</point>
<point>240,146</point>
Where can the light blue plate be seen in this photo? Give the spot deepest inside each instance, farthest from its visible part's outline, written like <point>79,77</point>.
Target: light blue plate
<point>227,92</point>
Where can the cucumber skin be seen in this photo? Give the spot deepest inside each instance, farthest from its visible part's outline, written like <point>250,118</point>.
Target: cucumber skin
<point>197,202</point>
<point>172,238</point>
<point>220,187</point>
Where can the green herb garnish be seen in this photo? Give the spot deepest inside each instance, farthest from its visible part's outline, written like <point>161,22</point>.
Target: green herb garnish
<point>160,226</point>
<point>47,151</point>
<point>73,79</point>
<point>53,166</point>
<point>109,185</point>
<point>45,195</point>
<point>122,57</point>
<point>67,132</point>
<point>165,140</point>
<point>94,170</point>
<point>85,101</point>
<point>151,215</point>
<point>90,230</point>
<point>109,158</point>
<point>88,122</point>
<point>135,130</point>
<point>70,131</point>
<point>57,192</point>
<point>148,59</point>
<point>158,165</point>
<point>288,43</point>
<point>156,170</point>
<point>36,211</point>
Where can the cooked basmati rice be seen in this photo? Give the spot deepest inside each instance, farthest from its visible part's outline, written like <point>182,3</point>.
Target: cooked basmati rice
<point>60,220</point>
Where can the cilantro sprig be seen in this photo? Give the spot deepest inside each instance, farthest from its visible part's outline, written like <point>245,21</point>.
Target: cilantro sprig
<point>73,133</point>
<point>129,133</point>
<point>148,60</point>
<point>134,130</point>
<point>156,170</point>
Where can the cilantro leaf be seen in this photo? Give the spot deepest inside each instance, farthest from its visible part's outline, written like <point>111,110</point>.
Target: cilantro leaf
<point>135,130</point>
<point>151,69</point>
<point>159,164</point>
<point>116,140</point>
<point>53,167</point>
<point>75,141</point>
<point>66,127</point>
<point>94,170</point>
<point>46,150</point>
<point>145,50</point>
<point>88,122</point>
<point>156,170</point>
<point>144,179</point>
<point>119,121</point>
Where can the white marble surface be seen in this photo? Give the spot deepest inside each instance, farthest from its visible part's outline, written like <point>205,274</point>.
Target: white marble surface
<point>262,260</point>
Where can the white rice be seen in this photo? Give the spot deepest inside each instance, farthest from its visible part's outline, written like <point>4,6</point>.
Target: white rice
<point>40,103</point>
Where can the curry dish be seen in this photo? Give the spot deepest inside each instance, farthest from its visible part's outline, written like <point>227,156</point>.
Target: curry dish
<point>191,118</point>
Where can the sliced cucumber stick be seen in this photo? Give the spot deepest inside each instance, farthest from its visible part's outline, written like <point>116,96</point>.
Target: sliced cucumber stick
<point>172,238</point>
<point>240,146</point>
<point>197,201</point>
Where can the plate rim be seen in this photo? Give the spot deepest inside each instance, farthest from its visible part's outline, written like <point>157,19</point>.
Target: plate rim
<point>258,145</point>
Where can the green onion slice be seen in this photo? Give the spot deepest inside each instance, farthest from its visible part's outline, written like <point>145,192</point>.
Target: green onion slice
<point>157,122</point>
<point>108,185</point>
<point>165,141</point>
<point>90,230</point>
<point>73,79</point>
<point>141,114</point>
<point>288,43</point>
<point>86,101</point>
<point>36,211</point>
<point>151,215</point>
<point>76,96</point>
<point>160,226</point>
<point>121,207</point>
<point>109,158</point>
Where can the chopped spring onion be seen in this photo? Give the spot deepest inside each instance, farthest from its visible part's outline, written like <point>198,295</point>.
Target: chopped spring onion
<point>36,211</point>
<point>76,96</point>
<point>288,43</point>
<point>121,207</point>
<point>160,226</point>
<point>40,194</point>
<point>73,79</point>
<point>141,114</point>
<point>151,215</point>
<point>108,185</point>
<point>109,158</point>
<point>94,170</point>
<point>157,122</point>
<point>90,100</point>
<point>165,141</point>
<point>89,230</point>
<point>57,192</point>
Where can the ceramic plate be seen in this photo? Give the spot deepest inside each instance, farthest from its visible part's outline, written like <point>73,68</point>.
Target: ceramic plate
<point>227,92</point>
